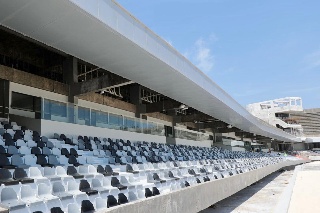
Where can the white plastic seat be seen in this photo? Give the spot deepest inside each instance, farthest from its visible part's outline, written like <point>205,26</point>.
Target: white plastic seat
<point>28,195</point>
<point>97,185</point>
<point>50,173</point>
<point>100,203</point>
<point>73,208</point>
<point>35,173</point>
<point>84,170</point>
<point>10,200</point>
<point>61,172</point>
<point>73,188</point>
<point>45,192</point>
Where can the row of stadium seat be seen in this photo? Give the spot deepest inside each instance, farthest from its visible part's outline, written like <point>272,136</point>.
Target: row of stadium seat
<point>81,173</point>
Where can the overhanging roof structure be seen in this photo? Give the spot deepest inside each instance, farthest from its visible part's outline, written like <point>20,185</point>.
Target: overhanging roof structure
<point>104,34</point>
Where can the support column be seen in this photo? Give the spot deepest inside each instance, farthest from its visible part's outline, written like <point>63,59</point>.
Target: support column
<point>4,98</point>
<point>70,76</point>
<point>135,98</point>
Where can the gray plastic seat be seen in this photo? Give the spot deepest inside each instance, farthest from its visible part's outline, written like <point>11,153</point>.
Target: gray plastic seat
<point>132,196</point>
<point>10,200</point>
<point>59,191</point>
<point>17,161</point>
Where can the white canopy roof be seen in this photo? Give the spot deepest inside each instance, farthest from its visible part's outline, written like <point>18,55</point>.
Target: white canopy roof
<point>104,34</point>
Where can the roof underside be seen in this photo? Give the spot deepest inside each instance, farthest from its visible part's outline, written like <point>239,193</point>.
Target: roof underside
<point>102,33</point>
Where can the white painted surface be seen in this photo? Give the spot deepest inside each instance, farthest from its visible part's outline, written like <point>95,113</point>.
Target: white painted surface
<point>137,54</point>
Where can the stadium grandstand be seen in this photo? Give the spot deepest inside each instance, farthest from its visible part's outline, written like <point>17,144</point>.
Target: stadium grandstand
<point>288,114</point>
<point>100,114</point>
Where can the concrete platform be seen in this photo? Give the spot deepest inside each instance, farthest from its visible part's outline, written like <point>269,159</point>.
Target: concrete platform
<point>306,190</point>
<point>260,197</point>
<point>196,198</point>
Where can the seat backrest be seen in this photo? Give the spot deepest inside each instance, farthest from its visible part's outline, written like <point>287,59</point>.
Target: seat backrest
<point>155,191</point>
<point>73,152</point>
<point>4,161</point>
<point>64,151</point>
<point>41,160</point>
<point>73,208</point>
<point>114,181</point>
<point>44,189</point>
<point>19,173</point>
<point>57,187</point>
<point>71,170</point>
<point>26,191</point>
<point>95,183</point>
<point>100,203</point>
<point>8,194</point>
<point>46,151</point>
<point>132,196</point>
<point>84,184</point>
<point>56,210</point>
<point>35,151</point>
<point>112,201</point>
<point>53,160</point>
<point>148,193</point>
<point>100,169</point>
<point>122,198</point>
<point>108,168</point>
<point>16,160</point>
<point>87,206</point>
<point>48,171</point>
<point>72,185</point>
<point>5,174</point>
<point>72,160</point>
<point>35,172</point>
<point>13,150</point>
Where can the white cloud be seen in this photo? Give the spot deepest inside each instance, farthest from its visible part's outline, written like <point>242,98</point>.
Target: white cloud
<point>201,54</point>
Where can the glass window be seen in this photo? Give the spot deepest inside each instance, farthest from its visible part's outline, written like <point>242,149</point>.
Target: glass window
<point>58,109</point>
<point>129,124</point>
<point>83,116</point>
<point>115,120</point>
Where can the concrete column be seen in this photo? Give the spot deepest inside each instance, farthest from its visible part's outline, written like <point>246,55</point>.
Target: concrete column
<point>4,98</point>
<point>135,98</point>
<point>70,75</point>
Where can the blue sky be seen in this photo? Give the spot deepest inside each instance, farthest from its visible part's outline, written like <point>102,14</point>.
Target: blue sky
<point>255,50</point>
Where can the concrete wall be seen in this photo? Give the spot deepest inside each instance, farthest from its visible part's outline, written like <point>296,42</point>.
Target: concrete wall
<point>193,143</point>
<point>196,198</point>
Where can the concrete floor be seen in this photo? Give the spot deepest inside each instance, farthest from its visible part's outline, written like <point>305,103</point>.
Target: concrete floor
<point>306,190</point>
<point>261,197</point>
